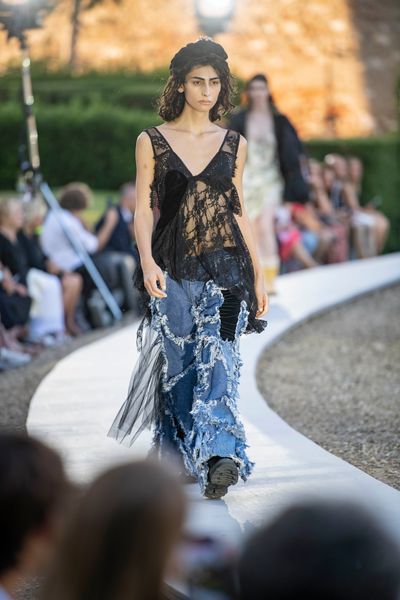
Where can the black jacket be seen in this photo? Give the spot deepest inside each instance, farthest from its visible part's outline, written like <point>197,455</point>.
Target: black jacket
<point>289,150</point>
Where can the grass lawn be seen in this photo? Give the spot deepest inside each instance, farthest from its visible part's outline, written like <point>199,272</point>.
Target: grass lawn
<point>99,202</point>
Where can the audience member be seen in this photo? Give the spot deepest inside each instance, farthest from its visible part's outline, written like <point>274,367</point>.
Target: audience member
<point>33,493</point>
<point>316,550</point>
<point>346,203</point>
<point>115,268</point>
<point>15,303</point>
<point>71,283</point>
<point>74,199</point>
<point>122,236</point>
<point>381,224</point>
<point>122,541</point>
<point>121,245</point>
<point>46,316</point>
<point>338,250</point>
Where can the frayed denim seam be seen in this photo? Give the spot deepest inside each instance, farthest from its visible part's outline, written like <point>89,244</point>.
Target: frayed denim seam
<point>160,324</point>
<point>200,436</point>
<point>202,411</point>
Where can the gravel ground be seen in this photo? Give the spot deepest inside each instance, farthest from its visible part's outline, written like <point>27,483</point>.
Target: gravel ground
<point>336,379</point>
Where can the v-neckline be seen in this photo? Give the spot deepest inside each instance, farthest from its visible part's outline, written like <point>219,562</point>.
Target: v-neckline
<point>180,159</point>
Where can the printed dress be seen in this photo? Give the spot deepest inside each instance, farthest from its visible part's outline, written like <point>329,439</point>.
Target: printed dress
<point>262,181</point>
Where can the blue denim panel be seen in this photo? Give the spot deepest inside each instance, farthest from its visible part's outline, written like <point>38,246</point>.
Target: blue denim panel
<point>200,378</point>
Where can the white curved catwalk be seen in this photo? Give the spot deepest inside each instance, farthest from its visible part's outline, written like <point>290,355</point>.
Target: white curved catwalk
<point>74,405</point>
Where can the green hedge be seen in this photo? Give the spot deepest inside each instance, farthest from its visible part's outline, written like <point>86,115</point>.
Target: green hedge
<point>136,90</point>
<point>96,144</point>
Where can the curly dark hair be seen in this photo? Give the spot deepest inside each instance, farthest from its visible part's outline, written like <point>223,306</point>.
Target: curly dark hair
<point>171,102</point>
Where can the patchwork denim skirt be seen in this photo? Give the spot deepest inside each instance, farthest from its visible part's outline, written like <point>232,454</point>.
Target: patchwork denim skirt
<point>185,382</point>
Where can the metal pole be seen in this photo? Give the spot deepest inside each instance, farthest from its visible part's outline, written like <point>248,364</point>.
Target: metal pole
<point>37,183</point>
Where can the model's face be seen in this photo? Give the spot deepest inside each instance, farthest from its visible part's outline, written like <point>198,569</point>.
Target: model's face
<point>201,88</point>
<point>258,92</point>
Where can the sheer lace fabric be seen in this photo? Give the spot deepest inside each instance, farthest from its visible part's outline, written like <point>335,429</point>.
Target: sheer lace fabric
<point>197,236</point>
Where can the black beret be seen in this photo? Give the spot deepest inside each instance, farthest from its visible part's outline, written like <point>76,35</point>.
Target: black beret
<point>202,49</point>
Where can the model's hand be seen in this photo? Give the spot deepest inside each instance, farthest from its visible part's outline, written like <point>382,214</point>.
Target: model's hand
<point>152,275</point>
<point>262,297</point>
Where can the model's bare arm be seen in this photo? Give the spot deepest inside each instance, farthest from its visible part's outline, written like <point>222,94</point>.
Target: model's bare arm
<point>144,218</point>
<point>245,228</point>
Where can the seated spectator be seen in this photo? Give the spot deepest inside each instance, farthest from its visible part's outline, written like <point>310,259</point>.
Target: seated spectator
<point>381,222</point>
<point>33,494</point>
<point>122,236</point>
<point>294,247</point>
<point>15,302</point>
<point>46,316</point>
<point>338,249</point>
<point>71,283</point>
<point>74,199</point>
<point>334,175</point>
<point>121,542</point>
<point>346,204</point>
<point>306,218</point>
<point>329,551</point>
<point>121,241</point>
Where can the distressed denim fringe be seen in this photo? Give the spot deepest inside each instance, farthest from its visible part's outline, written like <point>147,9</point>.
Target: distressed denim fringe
<point>213,358</point>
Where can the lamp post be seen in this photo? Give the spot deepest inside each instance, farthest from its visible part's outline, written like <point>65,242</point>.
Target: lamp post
<point>214,16</point>
<point>16,19</point>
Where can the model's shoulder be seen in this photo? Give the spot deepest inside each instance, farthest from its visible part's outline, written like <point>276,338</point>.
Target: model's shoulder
<point>147,136</point>
<point>151,138</point>
<point>146,133</point>
<point>233,134</point>
<point>229,134</point>
<point>144,146</point>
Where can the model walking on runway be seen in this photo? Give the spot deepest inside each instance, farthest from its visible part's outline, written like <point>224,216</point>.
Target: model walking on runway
<point>199,274</point>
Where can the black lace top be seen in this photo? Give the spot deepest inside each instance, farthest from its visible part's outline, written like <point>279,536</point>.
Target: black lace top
<point>197,236</point>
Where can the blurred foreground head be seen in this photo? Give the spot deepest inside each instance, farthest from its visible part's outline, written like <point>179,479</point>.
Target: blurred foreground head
<point>329,551</point>
<point>33,490</point>
<point>121,539</point>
